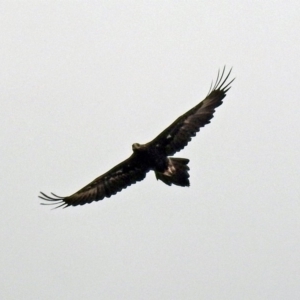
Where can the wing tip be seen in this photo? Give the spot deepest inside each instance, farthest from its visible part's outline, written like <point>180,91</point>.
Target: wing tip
<point>56,200</point>
<point>220,83</point>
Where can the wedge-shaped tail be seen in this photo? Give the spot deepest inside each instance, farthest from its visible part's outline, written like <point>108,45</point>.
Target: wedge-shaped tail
<point>176,173</point>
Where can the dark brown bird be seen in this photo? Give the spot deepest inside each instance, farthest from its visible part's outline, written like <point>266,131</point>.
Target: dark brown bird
<point>154,155</point>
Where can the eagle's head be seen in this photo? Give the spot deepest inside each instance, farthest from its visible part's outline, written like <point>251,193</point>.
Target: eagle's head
<point>136,147</point>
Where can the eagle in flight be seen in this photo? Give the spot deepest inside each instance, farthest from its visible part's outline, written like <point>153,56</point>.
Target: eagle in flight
<point>154,155</point>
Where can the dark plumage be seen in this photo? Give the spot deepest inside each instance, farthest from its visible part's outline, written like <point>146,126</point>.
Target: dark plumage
<point>153,155</point>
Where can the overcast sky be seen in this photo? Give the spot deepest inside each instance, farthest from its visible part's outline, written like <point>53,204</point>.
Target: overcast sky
<point>81,81</point>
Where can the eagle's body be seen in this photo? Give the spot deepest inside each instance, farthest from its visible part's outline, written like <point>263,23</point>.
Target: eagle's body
<point>167,169</point>
<point>154,155</point>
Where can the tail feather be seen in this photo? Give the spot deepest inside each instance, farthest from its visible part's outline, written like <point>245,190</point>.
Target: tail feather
<point>176,173</point>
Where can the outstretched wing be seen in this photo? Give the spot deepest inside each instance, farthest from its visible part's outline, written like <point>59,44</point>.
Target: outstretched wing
<point>179,133</point>
<point>121,176</point>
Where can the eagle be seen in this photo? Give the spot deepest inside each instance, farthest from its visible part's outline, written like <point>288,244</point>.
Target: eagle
<point>155,155</point>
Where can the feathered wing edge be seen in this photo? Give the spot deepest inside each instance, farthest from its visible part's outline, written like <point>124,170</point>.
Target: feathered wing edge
<point>219,83</point>
<point>176,136</point>
<point>118,178</point>
<point>56,200</point>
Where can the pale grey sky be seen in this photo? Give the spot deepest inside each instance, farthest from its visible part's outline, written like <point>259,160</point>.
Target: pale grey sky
<point>83,80</point>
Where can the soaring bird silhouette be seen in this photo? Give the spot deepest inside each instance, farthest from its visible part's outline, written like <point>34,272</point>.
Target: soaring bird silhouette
<point>154,155</point>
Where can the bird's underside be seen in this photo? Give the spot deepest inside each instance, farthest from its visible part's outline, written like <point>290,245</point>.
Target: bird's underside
<point>154,155</point>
